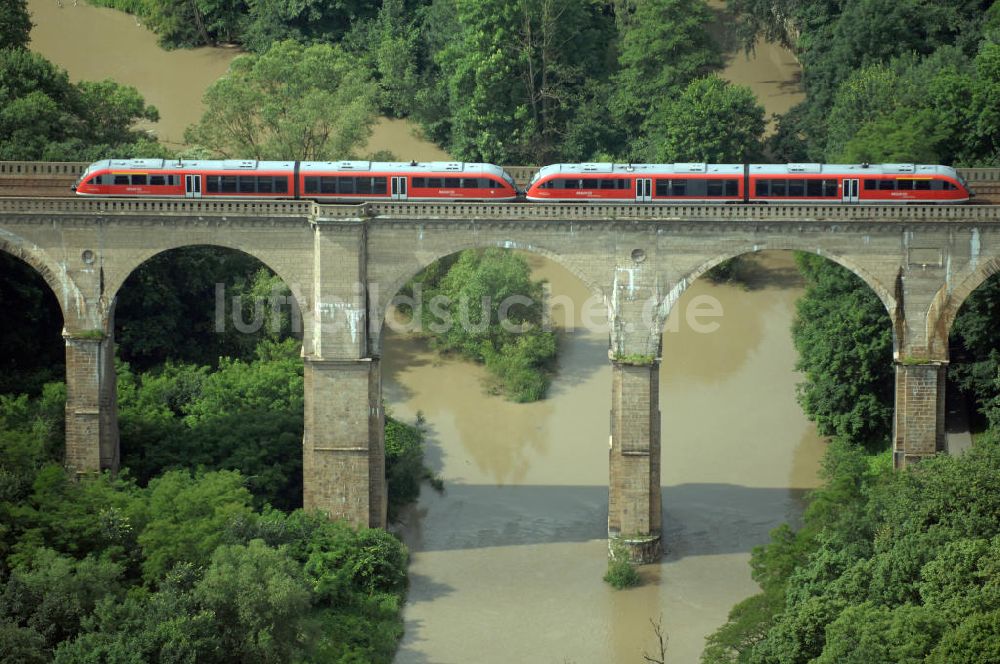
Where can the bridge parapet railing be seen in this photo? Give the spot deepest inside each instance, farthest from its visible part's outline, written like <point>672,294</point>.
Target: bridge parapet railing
<point>33,169</point>
<point>154,206</point>
<point>639,212</point>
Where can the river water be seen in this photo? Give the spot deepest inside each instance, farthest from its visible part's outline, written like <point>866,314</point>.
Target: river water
<point>507,562</point>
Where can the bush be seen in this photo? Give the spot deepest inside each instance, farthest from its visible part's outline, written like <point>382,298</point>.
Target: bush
<point>621,574</point>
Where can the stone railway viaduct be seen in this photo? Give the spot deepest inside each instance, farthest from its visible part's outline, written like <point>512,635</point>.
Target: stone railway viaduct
<point>343,265</point>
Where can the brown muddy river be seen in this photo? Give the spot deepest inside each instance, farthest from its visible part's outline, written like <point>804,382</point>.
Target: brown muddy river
<point>507,563</point>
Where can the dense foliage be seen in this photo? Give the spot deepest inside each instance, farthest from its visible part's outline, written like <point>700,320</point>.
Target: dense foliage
<point>484,306</point>
<point>889,567</point>
<point>843,335</point>
<point>289,102</point>
<point>184,569</point>
<point>887,80</point>
<point>506,81</point>
<point>43,116</point>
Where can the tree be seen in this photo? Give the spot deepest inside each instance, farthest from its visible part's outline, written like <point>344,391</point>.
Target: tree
<point>844,338</point>
<point>15,24</point>
<point>292,102</point>
<point>44,116</point>
<point>486,308</point>
<point>665,46</point>
<point>512,72</point>
<point>711,121</point>
<point>304,21</point>
<point>259,600</point>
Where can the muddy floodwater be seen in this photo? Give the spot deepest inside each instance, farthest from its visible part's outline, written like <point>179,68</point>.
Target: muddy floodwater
<point>507,562</point>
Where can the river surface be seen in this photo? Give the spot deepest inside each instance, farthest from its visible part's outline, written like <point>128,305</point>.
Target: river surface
<point>507,562</point>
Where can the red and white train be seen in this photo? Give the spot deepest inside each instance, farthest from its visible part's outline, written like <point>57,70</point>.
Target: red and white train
<point>329,181</point>
<point>749,183</point>
<point>353,181</point>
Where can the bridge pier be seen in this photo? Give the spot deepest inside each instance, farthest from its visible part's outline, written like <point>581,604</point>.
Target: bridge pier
<point>634,495</point>
<point>91,403</point>
<point>919,419</point>
<point>343,456</point>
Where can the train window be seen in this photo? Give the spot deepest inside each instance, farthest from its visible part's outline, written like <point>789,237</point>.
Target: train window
<point>312,184</point>
<point>732,187</point>
<point>364,185</point>
<point>212,184</point>
<point>662,187</point>
<point>922,185</point>
<point>121,179</point>
<point>871,184</point>
<point>281,185</point>
<point>904,185</point>
<point>814,188</point>
<point>451,183</point>
<point>157,180</point>
<point>379,187</point>
<point>609,184</point>
<point>715,187</point>
<point>265,185</point>
<point>246,184</point>
<point>419,183</point>
<point>590,183</point>
<point>763,188</point>
<point>345,185</point>
<point>886,185</point>
<point>797,188</point>
<point>678,187</point>
<point>139,179</point>
<point>434,183</point>
<point>779,187</point>
<point>830,188</point>
<point>470,183</point>
<point>229,184</point>
<point>948,186</point>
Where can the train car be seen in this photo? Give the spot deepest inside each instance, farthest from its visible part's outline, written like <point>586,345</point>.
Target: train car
<point>749,183</point>
<point>342,181</point>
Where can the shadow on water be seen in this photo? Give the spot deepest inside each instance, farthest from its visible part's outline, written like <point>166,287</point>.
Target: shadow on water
<point>698,519</point>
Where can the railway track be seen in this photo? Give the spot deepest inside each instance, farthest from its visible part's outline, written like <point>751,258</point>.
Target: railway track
<point>25,179</point>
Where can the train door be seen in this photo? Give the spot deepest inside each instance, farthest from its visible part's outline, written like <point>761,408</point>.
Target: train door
<point>192,186</point>
<point>399,188</point>
<point>643,190</point>
<point>850,193</point>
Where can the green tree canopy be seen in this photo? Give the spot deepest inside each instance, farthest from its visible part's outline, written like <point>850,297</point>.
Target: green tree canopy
<point>665,45</point>
<point>15,24</point>
<point>44,116</point>
<point>844,338</point>
<point>712,121</point>
<point>292,102</point>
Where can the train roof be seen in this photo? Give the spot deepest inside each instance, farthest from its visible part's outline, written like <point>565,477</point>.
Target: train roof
<point>250,165</point>
<point>606,168</point>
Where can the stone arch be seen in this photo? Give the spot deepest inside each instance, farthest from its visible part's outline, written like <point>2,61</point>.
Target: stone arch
<point>378,306</point>
<point>887,298</point>
<point>115,282</point>
<point>948,302</point>
<point>71,301</point>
